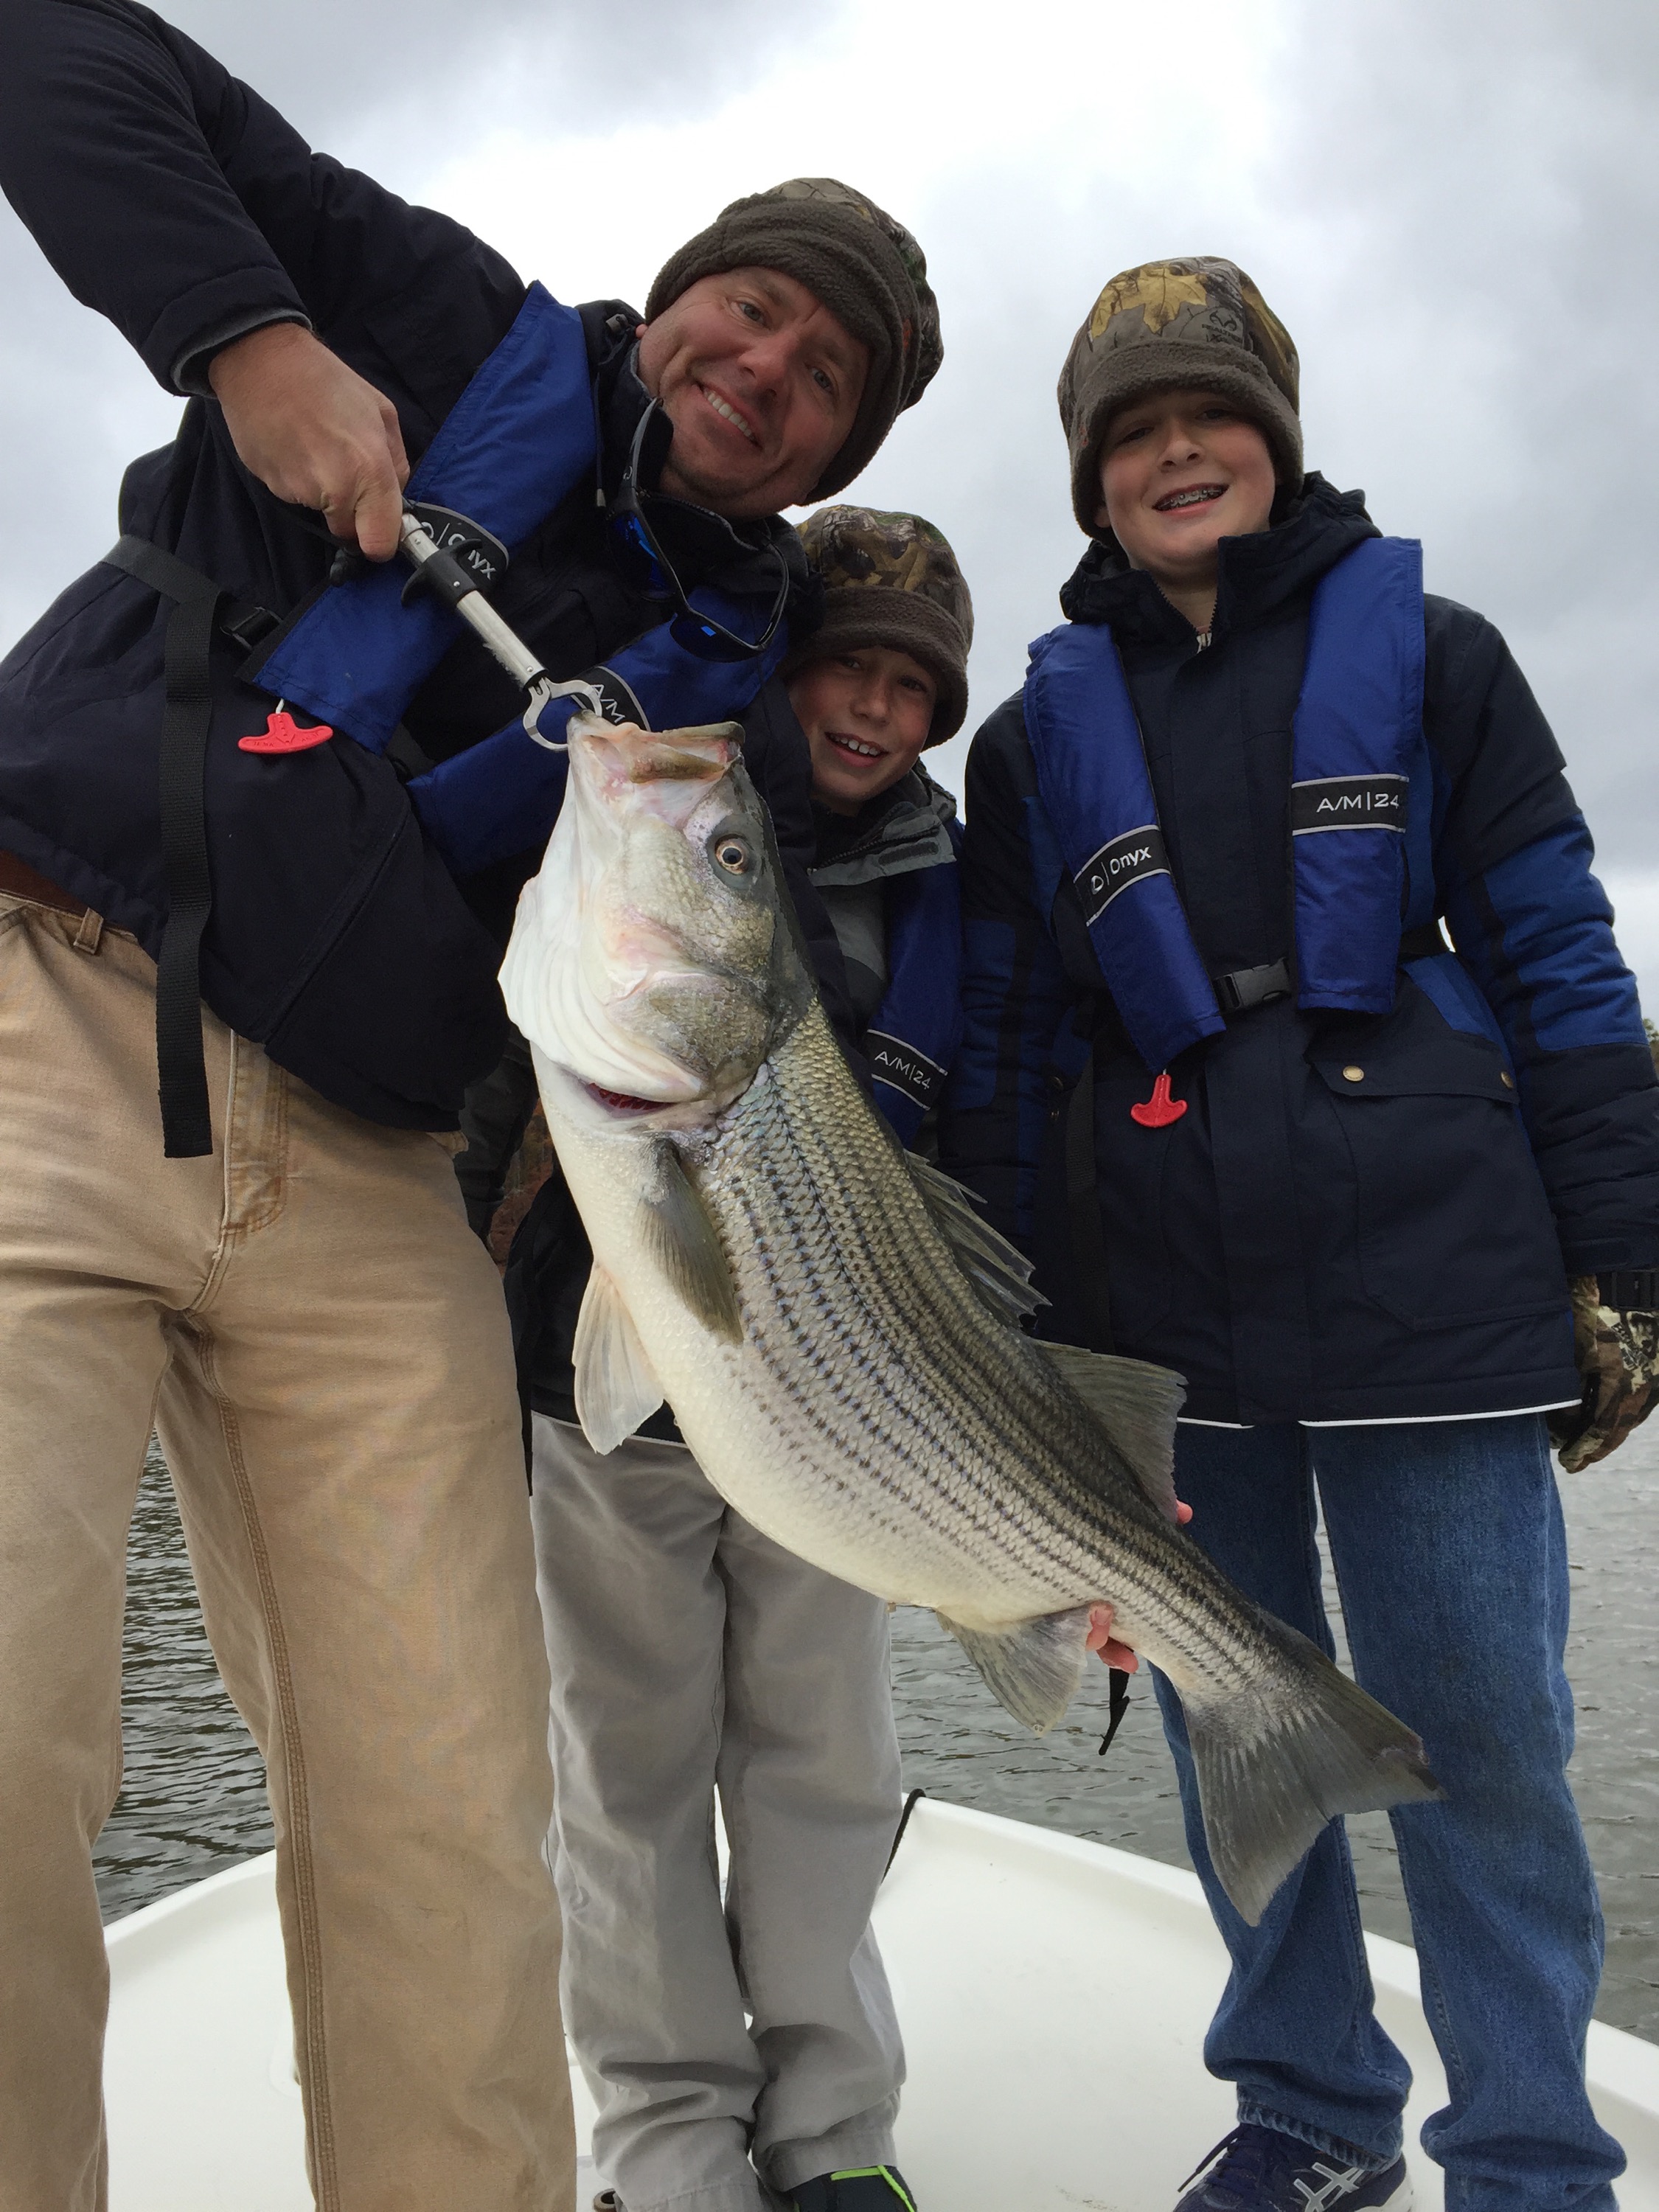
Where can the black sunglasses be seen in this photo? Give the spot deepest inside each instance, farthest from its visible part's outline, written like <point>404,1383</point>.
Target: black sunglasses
<point>697,632</point>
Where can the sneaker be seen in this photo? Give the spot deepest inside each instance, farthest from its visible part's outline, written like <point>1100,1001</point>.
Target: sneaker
<point>859,2189</point>
<point>1262,2170</point>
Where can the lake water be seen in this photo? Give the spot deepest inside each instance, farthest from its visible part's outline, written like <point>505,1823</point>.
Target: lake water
<point>194,1796</point>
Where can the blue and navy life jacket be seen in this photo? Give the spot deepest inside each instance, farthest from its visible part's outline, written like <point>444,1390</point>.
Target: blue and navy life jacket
<point>1360,807</point>
<point>337,938</point>
<point>915,1032</point>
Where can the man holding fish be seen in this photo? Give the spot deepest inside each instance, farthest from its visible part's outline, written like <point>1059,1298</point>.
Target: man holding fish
<point>242,784</point>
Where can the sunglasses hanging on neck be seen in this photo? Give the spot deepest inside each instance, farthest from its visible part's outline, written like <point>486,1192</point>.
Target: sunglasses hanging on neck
<point>628,520</point>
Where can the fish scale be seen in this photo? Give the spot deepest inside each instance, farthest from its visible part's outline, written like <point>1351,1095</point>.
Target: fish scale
<point>836,1331</point>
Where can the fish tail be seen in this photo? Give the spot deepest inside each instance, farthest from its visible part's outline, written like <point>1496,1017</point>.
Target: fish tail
<point>1033,1667</point>
<point>1296,1747</point>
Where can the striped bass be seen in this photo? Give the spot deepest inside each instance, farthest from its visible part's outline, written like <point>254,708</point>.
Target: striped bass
<point>838,1334</point>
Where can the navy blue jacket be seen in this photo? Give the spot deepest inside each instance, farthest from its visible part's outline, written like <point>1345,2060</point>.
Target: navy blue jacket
<point>176,202</point>
<point>1302,1246</point>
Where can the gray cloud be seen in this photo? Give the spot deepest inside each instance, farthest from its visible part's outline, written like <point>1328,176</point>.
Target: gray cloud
<point>1451,207</point>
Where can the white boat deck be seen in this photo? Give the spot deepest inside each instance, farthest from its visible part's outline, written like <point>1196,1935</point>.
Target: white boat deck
<point>1053,1996</point>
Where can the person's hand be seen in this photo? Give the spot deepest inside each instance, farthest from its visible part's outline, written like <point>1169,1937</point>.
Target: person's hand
<point>1617,1354</point>
<point>315,432</point>
<point>1103,1645</point>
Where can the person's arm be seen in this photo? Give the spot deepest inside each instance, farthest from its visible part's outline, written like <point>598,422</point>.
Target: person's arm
<point>175,201</point>
<point>1534,929</point>
<point>994,1121</point>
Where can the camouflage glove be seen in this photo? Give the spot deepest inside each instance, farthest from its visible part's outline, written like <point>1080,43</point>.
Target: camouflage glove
<point>1616,1346</point>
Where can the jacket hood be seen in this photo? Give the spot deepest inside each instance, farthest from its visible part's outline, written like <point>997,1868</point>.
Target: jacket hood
<point>1257,573</point>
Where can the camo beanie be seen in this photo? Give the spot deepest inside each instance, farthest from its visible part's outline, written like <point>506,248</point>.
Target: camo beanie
<point>863,266</point>
<point>1200,321</point>
<point>891,579</point>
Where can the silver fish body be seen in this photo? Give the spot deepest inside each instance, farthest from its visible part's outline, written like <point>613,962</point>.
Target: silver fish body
<point>836,1334</point>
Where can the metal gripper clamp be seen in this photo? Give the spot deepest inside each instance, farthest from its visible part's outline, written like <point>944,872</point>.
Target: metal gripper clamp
<point>456,572</point>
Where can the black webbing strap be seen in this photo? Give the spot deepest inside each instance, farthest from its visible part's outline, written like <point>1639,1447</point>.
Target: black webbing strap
<point>910,1804</point>
<point>1117,1703</point>
<point>1083,1211</point>
<point>181,1069</point>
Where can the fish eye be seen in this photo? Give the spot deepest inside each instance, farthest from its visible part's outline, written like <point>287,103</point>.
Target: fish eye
<point>732,853</point>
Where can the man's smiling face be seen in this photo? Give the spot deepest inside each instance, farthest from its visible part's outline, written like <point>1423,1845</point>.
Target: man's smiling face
<point>761,385</point>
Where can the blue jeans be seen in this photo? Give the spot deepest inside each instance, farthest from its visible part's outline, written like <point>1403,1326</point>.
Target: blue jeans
<point>1452,1563</point>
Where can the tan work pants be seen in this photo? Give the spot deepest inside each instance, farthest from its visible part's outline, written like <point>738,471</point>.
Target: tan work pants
<point>321,1344</point>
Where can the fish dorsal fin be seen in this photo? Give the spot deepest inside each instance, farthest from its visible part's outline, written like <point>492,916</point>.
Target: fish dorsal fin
<point>617,1387</point>
<point>1136,1404</point>
<point>682,1242</point>
<point>1000,1275</point>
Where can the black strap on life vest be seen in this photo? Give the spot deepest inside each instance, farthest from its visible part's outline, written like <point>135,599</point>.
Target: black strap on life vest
<point>199,610</point>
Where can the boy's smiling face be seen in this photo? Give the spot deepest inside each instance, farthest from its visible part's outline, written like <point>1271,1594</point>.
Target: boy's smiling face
<point>867,714</point>
<point>1179,472</point>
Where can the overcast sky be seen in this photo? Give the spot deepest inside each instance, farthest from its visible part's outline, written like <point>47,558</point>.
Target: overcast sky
<point>1452,205</point>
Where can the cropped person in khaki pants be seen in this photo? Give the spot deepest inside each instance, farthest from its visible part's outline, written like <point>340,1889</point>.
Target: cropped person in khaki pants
<point>318,1340</point>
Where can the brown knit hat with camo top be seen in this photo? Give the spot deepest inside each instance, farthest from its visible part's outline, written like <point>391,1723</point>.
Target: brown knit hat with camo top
<point>891,579</point>
<point>863,266</point>
<point>1196,322</point>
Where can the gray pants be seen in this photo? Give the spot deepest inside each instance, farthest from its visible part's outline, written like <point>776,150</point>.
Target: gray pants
<point>691,1653</point>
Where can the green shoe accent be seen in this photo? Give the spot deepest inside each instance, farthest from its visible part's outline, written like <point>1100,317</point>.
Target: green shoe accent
<point>879,2173</point>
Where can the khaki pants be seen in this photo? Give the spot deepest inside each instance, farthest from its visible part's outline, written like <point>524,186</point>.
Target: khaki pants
<point>691,1654</point>
<point>321,1345</point>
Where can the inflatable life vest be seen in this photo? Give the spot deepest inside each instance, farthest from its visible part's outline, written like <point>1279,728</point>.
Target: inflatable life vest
<point>1359,806</point>
<point>915,1031</point>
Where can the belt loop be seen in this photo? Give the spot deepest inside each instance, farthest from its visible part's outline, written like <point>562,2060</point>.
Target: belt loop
<point>90,934</point>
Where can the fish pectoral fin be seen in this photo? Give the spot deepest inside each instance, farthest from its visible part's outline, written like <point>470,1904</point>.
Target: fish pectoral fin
<point>1136,1404</point>
<point>1296,1746</point>
<point>1031,1667</point>
<point>682,1241</point>
<point>999,1273</point>
<point>617,1387</point>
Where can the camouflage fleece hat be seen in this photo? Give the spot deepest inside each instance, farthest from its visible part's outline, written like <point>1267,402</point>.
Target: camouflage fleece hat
<point>1200,321</point>
<point>866,268</point>
<point>891,579</point>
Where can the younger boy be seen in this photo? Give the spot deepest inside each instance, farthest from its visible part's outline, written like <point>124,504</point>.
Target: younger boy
<point>691,1654</point>
<point>1222,1076</point>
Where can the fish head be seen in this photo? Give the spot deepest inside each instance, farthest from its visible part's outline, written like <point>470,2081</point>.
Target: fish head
<point>655,957</point>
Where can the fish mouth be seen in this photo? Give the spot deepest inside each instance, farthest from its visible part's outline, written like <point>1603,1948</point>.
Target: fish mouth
<point>623,1102</point>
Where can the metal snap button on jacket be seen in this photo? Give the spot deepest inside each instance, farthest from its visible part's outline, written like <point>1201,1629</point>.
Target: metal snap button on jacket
<point>1353,1075</point>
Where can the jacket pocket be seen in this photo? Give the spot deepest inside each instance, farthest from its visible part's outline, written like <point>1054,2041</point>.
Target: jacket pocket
<point>1451,1225</point>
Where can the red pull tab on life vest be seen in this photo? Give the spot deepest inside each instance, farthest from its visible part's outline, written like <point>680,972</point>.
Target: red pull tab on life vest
<point>1160,1109</point>
<point>282,734</point>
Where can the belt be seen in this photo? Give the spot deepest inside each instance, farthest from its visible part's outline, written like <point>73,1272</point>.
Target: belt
<point>24,882</point>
